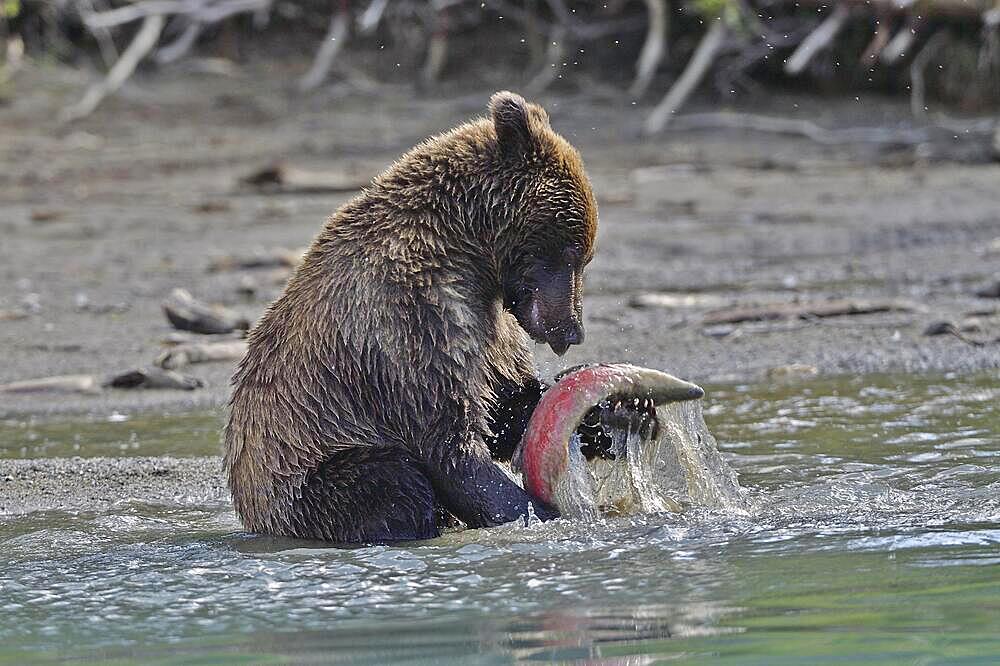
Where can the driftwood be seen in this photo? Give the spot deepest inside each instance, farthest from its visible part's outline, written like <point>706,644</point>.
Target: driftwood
<point>285,179</point>
<point>187,354</point>
<point>671,301</point>
<point>807,310</point>
<point>278,257</point>
<point>12,315</point>
<point>990,290</point>
<point>186,313</point>
<point>153,378</point>
<point>145,377</point>
<point>86,384</point>
<point>176,338</point>
<point>900,136</point>
<point>792,371</point>
<point>948,328</point>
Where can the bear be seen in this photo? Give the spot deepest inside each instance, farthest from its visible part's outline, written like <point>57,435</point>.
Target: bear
<point>381,388</point>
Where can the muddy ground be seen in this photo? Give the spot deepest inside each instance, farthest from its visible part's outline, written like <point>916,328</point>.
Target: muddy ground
<point>100,220</point>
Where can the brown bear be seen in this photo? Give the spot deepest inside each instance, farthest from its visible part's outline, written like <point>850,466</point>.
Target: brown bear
<point>397,365</point>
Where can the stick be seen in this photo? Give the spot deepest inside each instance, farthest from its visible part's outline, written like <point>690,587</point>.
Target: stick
<point>371,17</point>
<point>205,11</point>
<point>178,48</point>
<point>139,10</point>
<point>819,309</point>
<point>276,258</point>
<point>182,355</point>
<point>141,45</point>
<point>103,36</point>
<point>653,49</point>
<point>333,41</point>
<point>818,40</point>
<point>879,40</point>
<point>917,86</point>
<point>437,48</point>
<point>288,179</point>
<point>899,45</point>
<point>553,55</point>
<point>699,63</point>
<point>808,129</point>
<point>60,384</point>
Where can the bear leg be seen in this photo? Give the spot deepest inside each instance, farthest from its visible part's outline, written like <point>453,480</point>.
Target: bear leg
<point>366,496</point>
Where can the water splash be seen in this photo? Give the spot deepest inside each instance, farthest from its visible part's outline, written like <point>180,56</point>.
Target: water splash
<point>676,468</point>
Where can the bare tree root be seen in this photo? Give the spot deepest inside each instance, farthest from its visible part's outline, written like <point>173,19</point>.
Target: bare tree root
<point>109,53</point>
<point>372,16</point>
<point>900,44</point>
<point>898,136</point>
<point>819,40</point>
<point>437,49</point>
<point>709,47</point>
<point>141,45</point>
<point>333,41</point>
<point>180,47</point>
<point>918,105</point>
<point>553,56</point>
<point>653,49</point>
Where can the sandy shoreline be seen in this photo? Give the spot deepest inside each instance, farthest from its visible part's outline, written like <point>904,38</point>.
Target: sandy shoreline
<point>98,484</point>
<point>103,219</point>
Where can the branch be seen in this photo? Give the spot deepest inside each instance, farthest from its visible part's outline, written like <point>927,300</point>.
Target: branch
<point>178,48</point>
<point>917,86</point>
<point>699,63</point>
<point>654,48</point>
<point>819,40</point>
<point>899,45</point>
<point>333,41</point>
<point>141,45</point>
<point>553,56</point>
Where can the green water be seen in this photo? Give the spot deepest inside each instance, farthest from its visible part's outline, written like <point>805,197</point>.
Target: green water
<point>875,539</point>
<point>197,433</point>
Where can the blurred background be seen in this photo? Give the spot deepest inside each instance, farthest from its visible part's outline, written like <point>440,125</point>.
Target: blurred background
<point>765,154</point>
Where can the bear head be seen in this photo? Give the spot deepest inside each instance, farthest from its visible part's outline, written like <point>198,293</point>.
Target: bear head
<point>551,226</point>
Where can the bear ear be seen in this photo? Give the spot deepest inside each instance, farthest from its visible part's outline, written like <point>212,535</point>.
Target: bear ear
<point>519,125</point>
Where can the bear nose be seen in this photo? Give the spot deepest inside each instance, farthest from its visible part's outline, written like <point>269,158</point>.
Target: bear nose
<point>574,334</point>
<point>564,336</point>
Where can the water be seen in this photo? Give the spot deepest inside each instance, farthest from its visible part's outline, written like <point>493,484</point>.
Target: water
<point>673,467</point>
<point>875,538</point>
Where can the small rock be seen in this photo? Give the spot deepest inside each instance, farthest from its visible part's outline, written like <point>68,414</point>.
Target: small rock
<point>720,331</point>
<point>40,215</point>
<point>940,328</point>
<point>247,287</point>
<point>991,290</point>
<point>213,206</point>
<point>792,371</point>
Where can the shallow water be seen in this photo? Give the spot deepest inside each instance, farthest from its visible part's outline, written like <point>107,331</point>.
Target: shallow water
<point>876,538</point>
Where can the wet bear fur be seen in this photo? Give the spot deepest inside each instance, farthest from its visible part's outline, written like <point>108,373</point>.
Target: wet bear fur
<point>397,365</point>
